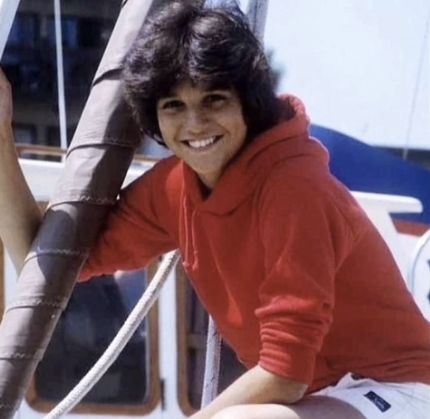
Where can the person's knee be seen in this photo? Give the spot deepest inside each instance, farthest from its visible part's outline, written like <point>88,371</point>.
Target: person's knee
<point>254,411</point>
<point>234,412</point>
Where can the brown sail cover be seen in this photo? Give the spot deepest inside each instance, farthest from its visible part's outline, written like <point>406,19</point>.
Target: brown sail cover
<point>96,165</point>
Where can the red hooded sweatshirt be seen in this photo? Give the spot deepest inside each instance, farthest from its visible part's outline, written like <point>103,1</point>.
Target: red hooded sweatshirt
<point>294,274</point>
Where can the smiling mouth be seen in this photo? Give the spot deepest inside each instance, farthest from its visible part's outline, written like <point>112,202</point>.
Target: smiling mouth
<point>204,143</point>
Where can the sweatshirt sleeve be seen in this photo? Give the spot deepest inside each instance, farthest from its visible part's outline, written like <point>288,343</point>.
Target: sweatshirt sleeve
<point>304,239</point>
<point>133,234</point>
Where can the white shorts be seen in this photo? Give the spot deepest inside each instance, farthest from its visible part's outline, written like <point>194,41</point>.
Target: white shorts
<point>380,400</point>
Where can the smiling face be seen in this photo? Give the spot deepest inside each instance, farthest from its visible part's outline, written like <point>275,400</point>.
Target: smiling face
<point>202,126</point>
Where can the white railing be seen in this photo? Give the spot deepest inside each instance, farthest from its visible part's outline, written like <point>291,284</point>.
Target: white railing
<point>378,208</point>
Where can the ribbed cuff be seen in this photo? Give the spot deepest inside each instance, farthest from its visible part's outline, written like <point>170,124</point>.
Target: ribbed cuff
<point>288,361</point>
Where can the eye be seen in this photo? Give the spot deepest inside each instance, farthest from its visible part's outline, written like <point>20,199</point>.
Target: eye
<point>216,99</point>
<point>171,105</point>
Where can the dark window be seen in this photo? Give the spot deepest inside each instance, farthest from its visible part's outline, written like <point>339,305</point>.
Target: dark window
<point>94,315</point>
<point>53,137</point>
<point>25,133</point>
<point>84,39</point>
<point>24,31</point>
<point>29,62</point>
<point>69,33</point>
<point>24,66</point>
<point>81,32</point>
<point>93,33</point>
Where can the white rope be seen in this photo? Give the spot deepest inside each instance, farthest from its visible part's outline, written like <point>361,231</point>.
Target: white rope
<point>60,75</point>
<point>212,364</point>
<point>121,339</point>
<point>418,250</point>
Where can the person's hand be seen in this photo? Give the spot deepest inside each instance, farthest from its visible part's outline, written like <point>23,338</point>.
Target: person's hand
<point>5,104</point>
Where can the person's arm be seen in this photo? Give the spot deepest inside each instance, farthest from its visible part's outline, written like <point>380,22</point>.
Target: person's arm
<point>256,386</point>
<point>20,216</point>
<point>138,229</point>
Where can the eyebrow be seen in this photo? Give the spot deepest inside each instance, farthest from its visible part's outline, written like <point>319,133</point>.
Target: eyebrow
<point>209,89</point>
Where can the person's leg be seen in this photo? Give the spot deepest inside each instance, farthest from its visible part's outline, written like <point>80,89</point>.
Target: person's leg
<point>312,407</point>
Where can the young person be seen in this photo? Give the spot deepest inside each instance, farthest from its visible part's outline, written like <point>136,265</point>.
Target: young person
<point>297,279</point>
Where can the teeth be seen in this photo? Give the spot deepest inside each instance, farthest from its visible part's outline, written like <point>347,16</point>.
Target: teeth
<point>201,143</point>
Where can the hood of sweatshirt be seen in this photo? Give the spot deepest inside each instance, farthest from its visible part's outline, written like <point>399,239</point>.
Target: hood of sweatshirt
<point>285,141</point>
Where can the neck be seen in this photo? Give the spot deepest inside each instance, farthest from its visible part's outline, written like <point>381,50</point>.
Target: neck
<point>208,182</point>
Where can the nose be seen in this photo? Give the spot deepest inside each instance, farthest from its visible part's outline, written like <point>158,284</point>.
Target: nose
<point>196,121</point>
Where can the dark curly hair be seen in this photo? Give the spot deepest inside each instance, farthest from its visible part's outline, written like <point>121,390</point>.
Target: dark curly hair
<point>212,46</point>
